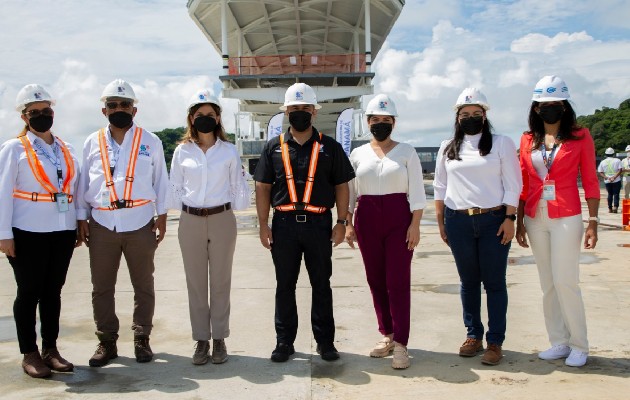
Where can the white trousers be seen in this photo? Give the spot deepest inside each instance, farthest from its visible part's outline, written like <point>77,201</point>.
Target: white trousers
<point>207,245</point>
<point>556,247</point>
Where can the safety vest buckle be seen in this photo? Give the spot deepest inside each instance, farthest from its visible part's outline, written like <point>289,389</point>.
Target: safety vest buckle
<point>118,204</point>
<point>299,206</point>
<point>129,178</point>
<point>110,183</point>
<point>34,196</point>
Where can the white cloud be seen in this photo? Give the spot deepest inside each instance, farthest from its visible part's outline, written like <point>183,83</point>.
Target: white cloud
<point>538,43</point>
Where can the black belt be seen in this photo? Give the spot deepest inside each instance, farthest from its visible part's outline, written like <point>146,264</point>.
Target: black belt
<point>290,215</point>
<point>204,212</point>
<point>477,210</point>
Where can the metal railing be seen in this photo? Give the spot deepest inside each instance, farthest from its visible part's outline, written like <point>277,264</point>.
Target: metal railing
<point>297,64</point>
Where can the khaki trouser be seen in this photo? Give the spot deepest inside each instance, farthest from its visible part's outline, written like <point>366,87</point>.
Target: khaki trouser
<point>626,188</point>
<point>207,245</point>
<point>106,248</point>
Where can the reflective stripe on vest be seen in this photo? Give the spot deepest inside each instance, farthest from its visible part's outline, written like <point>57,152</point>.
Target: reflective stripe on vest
<point>609,168</point>
<point>126,201</point>
<point>310,179</point>
<point>41,177</point>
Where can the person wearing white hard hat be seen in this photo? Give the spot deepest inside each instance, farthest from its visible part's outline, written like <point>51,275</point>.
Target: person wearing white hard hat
<point>38,224</point>
<point>302,174</point>
<point>625,166</point>
<point>124,185</point>
<point>477,184</point>
<point>387,199</point>
<point>610,169</point>
<point>552,153</point>
<point>206,178</point>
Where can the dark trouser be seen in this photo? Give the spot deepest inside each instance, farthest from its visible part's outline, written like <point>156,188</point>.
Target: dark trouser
<point>291,239</point>
<point>40,269</point>
<point>106,249</point>
<point>480,257</point>
<point>381,224</point>
<point>613,190</point>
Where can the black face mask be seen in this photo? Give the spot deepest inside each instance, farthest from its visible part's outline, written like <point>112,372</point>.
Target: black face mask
<point>41,123</point>
<point>471,125</point>
<point>381,131</point>
<point>120,119</point>
<point>300,120</point>
<point>205,124</point>
<point>551,114</point>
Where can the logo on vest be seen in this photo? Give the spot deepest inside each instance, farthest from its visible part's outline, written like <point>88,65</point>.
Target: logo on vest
<point>144,150</point>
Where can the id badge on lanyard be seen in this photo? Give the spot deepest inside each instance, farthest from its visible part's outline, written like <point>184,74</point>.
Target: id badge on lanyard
<point>63,205</point>
<point>549,185</point>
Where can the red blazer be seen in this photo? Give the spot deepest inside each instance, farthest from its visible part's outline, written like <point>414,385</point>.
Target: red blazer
<point>573,155</point>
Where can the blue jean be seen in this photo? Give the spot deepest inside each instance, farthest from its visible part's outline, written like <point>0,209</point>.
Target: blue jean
<point>613,190</point>
<point>480,257</point>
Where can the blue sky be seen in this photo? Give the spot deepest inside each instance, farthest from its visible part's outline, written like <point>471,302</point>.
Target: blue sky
<point>437,48</point>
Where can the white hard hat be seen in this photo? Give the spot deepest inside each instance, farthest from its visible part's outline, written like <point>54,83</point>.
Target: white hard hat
<point>30,94</point>
<point>550,88</point>
<point>299,93</point>
<point>381,104</point>
<point>119,88</point>
<point>610,151</point>
<point>471,97</point>
<point>203,96</point>
<point>627,148</point>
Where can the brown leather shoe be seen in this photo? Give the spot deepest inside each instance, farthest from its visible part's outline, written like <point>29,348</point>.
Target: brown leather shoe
<point>493,354</point>
<point>471,347</point>
<point>34,366</point>
<point>105,351</point>
<point>54,361</point>
<point>142,349</point>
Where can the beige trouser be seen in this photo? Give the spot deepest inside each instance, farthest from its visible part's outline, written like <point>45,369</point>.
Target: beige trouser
<point>626,188</point>
<point>556,247</point>
<point>106,249</point>
<point>207,245</point>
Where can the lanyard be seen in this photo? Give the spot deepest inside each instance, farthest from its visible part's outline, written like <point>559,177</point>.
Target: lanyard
<point>548,161</point>
<point>115,153</point>
<point>56,161</point>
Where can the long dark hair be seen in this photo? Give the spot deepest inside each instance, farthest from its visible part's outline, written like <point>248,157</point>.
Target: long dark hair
<point>485,144</point>
<point>568,125</point>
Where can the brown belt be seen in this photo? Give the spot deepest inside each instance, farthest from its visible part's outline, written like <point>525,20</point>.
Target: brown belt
<point>204,212</point>
<point>477,210</point>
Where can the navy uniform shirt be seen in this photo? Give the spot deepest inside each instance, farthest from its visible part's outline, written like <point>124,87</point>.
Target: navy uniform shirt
<point>333,168</point>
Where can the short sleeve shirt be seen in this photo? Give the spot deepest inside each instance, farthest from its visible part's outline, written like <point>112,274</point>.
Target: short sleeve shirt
<point>333,168</point>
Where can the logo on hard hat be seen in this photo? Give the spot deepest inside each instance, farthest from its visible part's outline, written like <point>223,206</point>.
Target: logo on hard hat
<point>121,89</point>
<point>202,96</point>
<point>565,89</point>
<point>551,90</point>
<point>382,105</point>
<point>468,99</point>
<point>538,91</point>
<point>37,95</point>
<point>299,96</point>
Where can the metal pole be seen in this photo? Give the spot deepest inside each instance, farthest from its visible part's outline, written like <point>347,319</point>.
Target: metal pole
<point>224,38</point>
<point>368,37</point>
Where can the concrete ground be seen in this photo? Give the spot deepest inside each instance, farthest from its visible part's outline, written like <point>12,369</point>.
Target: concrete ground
<point>437,372</point>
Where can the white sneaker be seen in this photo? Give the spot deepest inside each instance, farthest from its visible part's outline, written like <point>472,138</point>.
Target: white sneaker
<point>577,358</point>
<point>555,352</point>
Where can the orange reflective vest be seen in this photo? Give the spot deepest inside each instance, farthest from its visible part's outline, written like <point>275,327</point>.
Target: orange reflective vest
<point>308,188</point>
<point>126,201</point>
<point>42,178</point>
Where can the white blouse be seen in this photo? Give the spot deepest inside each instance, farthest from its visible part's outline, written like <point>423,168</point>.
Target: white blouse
<point>477,181</point>
<point>399,171</point>
<point>207,179</point>
<point>16,174</point>
<point>539,163</point>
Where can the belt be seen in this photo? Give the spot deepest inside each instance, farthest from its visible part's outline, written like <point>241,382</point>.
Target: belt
<point>477,210</point>
<point>299,217</point>
<point>204,212</point>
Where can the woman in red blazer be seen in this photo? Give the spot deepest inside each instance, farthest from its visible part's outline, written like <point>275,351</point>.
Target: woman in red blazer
<point>552,153</point>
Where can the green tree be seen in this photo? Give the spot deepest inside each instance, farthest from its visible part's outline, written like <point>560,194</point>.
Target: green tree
<point>170,139</point>
<point>610,127</point>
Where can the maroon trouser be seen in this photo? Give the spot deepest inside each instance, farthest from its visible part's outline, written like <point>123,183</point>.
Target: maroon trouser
<point>381,224</point>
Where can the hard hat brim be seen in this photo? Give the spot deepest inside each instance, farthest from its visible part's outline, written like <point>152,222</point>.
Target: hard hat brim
<point>104,98</point>
<point>22,107</point>
<point>482,105</point>
<point>299,103</point>
<point>549,99</point>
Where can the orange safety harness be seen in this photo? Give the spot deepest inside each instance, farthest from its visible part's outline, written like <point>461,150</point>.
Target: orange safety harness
<point>308,189</point>
<point>126,201</point>
<point>42,178</point>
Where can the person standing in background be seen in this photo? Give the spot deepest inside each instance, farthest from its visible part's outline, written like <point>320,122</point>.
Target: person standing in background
<point>625,167</point>
<point>610,170</point>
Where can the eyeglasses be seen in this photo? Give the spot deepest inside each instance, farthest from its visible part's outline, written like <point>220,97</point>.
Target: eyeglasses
<point>465,115</point>
<point>48,112</point>
<point>125,105</point>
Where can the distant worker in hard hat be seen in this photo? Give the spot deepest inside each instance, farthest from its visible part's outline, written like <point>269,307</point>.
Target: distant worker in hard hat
<point>38,222</point>
<point>124,185</point>
<point>477,185</point>
<point>610,170</point>
<point>302,174</point>
<point>552,153</point>
<point>387,199</point>
<point>625,166</point>
<point>206,182</point>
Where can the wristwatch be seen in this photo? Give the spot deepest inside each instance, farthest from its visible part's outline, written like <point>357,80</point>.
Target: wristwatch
<point>596,219</point>
<point>342,222</point>
<point>511,217</point>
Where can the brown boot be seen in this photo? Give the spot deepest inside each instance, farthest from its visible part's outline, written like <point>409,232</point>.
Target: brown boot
<point>54,361</point>
<point>105,351</point>
<point>142,349</point>
<point>34,366</point>
<point>471,347</point>
<point>493,354</point>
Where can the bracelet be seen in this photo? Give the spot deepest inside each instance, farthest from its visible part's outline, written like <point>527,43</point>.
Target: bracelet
<point>343,222</point>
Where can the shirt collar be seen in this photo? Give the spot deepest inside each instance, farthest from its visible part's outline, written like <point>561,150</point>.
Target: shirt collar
<point>33,137</point>
<point>314,136</point>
